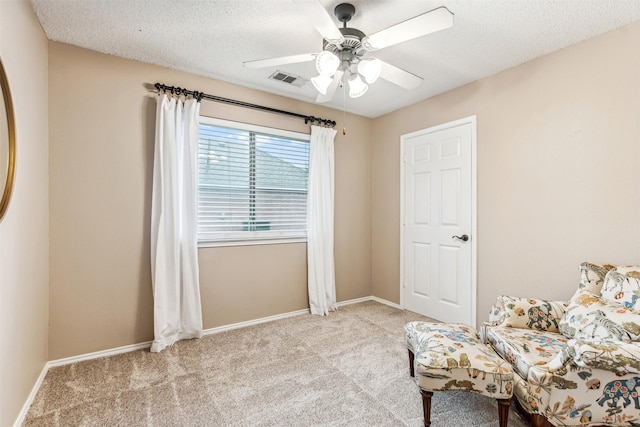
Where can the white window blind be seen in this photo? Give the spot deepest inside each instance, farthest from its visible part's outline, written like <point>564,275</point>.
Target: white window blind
<point>252,183</point>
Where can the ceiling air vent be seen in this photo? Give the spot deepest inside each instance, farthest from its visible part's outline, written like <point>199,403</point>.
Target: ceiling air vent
<point>283,77</point>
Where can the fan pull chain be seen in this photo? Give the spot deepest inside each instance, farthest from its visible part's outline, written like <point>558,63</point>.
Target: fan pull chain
<point>344,107</point>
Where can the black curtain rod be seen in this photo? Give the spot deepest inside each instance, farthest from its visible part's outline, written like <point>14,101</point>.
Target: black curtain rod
<point>200,96</point>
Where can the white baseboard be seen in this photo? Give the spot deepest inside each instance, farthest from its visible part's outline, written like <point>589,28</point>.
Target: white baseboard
<point>239,325</point>
<point>99,354</point>
<point>353,301</point>
<point>32,396</point>
<point>144,345</point>
<point>385,302</point>
<point>369,298</point>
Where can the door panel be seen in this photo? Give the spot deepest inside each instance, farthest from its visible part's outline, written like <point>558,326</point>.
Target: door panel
<point>422,153</point>
<point>421,269</point>
<point>450,148</point>
<point>449,264</point>
<point>450,197</point>
<point>437,198</point>
<point>422,186</point>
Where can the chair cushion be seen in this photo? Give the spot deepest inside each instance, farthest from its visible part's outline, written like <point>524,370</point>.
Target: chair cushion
<point>450,356</point>
<point>524,348</point>
<point>420,335</point>
<point>622,287</point>
<point>590,316</point>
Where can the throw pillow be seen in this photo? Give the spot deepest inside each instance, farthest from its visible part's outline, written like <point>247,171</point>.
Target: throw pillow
<point>531,313</point>
<point>629,270</point>
<point>622,288</point>
<point>592,276</point>
<point>589,316</point>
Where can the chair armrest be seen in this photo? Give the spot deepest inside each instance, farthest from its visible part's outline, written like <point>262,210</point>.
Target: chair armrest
<point>615,356</point>
<point>585,380</point>
<point>526,313</point>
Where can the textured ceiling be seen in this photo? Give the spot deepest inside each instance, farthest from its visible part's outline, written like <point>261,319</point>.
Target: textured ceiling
<point>214,38</point>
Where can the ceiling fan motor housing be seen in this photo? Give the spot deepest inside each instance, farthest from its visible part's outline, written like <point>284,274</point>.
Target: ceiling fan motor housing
<point>352,40</point>
<point>344,12</point>
<point>350,51</point>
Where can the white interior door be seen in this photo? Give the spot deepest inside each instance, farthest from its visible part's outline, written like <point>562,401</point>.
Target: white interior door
<point>438,221</point>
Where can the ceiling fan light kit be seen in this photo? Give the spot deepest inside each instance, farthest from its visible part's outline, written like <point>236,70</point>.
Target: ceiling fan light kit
<point>327,63</point>
<point>370,69</point>
<point>321,83</point>
<point>344,49</point>
<point>357,87</point>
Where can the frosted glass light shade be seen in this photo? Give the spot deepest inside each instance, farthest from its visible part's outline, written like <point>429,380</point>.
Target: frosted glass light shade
<point>327,63</point>
<point>321,83</point>
<point>357,87</point>
<point>370,69</point>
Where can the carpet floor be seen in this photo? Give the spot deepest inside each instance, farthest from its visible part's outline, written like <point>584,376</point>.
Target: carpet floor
<point>347,369</point>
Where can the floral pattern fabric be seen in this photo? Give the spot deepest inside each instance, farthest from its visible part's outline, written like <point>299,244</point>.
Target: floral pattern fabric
<point>623,288</point>
<point>619,357</point>
<point>584,381</point>
<point>592,276</point>
<point>573,395</point>
<point>578,395</point>
<point>452,357</point>
<point>515,312</point>
<point>629,270</point>
<point>524,348</point>
<point>419,334</point>
<point>590,316</point>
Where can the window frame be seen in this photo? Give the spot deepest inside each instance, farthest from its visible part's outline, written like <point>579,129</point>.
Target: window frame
<point>250,238</point>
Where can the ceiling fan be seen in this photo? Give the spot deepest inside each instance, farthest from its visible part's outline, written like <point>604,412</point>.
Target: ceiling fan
<point>344,50</point>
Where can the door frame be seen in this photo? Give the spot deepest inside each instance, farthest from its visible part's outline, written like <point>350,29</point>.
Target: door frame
<point>474,229</point>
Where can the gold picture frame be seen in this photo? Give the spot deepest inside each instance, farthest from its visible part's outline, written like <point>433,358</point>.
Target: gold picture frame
<point>7,144</point>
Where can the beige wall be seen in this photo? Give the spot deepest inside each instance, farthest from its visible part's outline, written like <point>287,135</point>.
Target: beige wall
<point>101,157</point>
<point>24,231</point>
<point>558,179</point>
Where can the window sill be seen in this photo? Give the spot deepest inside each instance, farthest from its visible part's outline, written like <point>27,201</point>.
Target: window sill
<point>251,242</point>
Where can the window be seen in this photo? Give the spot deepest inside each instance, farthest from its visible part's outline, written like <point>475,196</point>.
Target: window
<point>252,183</point>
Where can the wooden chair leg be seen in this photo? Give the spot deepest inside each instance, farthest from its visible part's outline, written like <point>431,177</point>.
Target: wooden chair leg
<point>535,420</point>
<point>503,411</point>
<point>538,420</point>
<point>411,357</point>
<point>426,406</point>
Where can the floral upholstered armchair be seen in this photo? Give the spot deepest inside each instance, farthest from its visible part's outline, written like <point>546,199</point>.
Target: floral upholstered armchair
<point>578,362</point>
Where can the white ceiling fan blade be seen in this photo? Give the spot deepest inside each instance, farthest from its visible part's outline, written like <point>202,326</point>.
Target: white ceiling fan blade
<point>399,77</point>
<point>427,23</point>
<point>272,62</point>
<point>331,90</point>
<point>321,20</point>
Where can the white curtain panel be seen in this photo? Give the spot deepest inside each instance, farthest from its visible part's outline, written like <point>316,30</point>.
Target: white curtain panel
<point>321,270</point>
<point>177,313</point>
